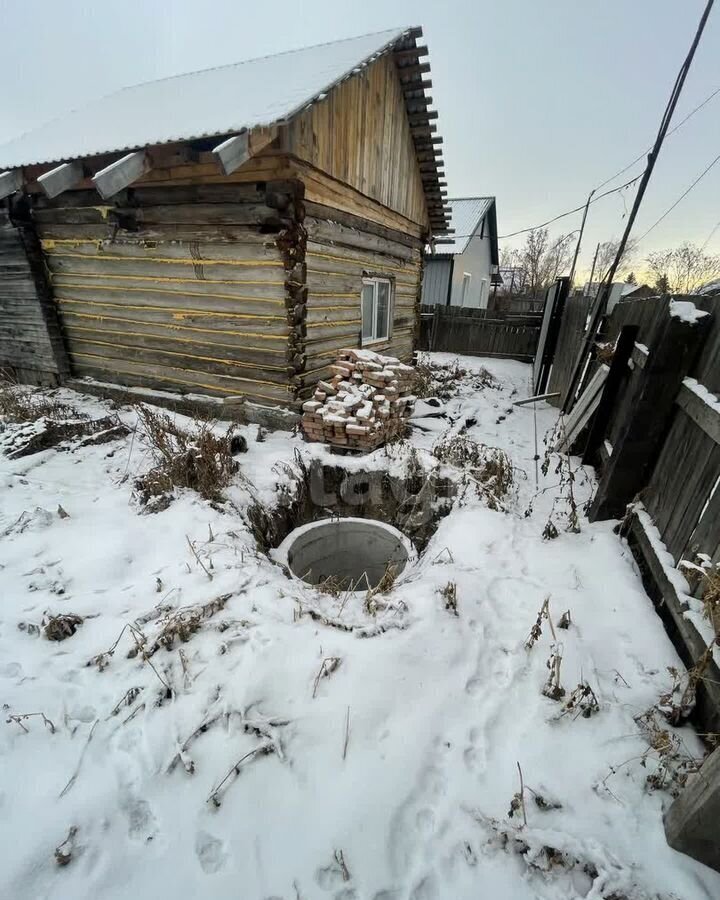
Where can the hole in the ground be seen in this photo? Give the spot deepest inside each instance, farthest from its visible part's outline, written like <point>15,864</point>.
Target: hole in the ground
<point>352,553</point>
<point>414,504</point>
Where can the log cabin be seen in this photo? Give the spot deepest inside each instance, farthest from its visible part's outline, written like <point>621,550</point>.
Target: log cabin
<point>224,233</point>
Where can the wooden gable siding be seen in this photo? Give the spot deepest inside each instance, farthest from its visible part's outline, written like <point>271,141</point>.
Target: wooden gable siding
<point>360,135</point>
<point>179,290</point>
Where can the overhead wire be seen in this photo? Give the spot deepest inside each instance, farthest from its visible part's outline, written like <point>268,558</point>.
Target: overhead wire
<point>607,180</point>
<point>680,198</point>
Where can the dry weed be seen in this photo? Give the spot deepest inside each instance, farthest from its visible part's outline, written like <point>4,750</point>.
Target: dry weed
<point>180,625</point>
<point>489,468</point>
<point>552,688</point>
<point>711,597</point>
<point>57,628</point>
<point>64,851</point>
<point>329,665</point>
<point>536,630</point>
<point>582,702</point>
<point>20,404</point>
<point>444,381</point>
<point>197,459</point>
<point>449,595</point>
<point>678,703</point>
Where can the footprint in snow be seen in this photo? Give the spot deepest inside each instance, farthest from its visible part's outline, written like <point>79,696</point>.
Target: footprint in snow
<point>210,852</point>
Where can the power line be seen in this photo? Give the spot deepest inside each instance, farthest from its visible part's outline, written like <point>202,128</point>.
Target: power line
<point>709,237</point>
<point>601,300</point>
<point>644,154</point>
<point>622,171</point>
<point>681,197</point>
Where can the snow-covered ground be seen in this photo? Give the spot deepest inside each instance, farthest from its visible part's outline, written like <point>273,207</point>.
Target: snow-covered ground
<point>389,779</point>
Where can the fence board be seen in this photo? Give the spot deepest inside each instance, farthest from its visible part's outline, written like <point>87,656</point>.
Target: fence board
<point>478,332</point>
<point>572,330</point>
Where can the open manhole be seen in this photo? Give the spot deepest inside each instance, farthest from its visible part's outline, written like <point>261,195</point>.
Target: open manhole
<point>353,553</point>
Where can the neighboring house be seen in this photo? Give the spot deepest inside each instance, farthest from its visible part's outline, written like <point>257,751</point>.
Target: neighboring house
<point>619,290</point>
<point>225,232</point>
<point>463,270</point>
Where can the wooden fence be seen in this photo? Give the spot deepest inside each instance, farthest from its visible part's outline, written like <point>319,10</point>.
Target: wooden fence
<point>658,441</point>
<point>479,332</point>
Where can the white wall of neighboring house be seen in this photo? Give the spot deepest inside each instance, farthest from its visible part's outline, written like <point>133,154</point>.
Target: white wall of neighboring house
<point>475,262</point>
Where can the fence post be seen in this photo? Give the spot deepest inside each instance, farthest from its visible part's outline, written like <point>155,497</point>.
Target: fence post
<point>434,328</point>
<point>618,370</point>
<point>641,434</point>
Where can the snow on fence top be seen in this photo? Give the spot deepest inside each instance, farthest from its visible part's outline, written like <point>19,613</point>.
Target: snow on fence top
<point>211,102</point>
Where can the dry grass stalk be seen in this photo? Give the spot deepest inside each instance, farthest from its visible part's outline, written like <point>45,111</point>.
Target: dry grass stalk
<point>127,699</point>
<point>518,801</point>
<point>329,665</point>
<point>711,597</point>
<point>262,729</point>
<point>582,702</point>
<point>217,793</point>
<point>678,703</point>
<point>384,586</point>
<point>347,733</point>
<point>64,851</point>
<point>19,404</point>
<point>552,688</point>
<point>73,777</point>
<point>340,860</point>
<point>565,620</point>
<point>202,565</point>
<point>181,625</point>
<point>19,718</point>
<point>449,595</point>
<point>197,459</point>
<point>536,630</point>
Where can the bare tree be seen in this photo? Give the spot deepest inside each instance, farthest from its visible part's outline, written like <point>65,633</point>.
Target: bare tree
<point>606,256</point>
<point>544,259</point>
<point>682,270</point>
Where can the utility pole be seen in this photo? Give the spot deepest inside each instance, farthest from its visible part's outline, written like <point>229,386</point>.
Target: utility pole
<point>606,286</point>
<point>592,271</point>
<point>579,240</point>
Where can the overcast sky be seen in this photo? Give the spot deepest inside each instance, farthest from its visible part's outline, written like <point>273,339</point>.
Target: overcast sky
<point>539,100</point>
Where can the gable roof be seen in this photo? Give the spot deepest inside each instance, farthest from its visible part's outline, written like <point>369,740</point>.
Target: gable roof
<point>466,216</point>
<point>215,102</point>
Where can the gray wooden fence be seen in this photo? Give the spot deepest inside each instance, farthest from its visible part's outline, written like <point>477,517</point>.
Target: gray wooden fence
<point>479,332</point>
<point>660,444</point>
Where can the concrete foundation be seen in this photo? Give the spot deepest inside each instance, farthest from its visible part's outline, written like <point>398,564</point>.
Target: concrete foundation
<point>354,551</point>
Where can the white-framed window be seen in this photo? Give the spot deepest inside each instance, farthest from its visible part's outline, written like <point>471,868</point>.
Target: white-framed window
<point>376,309</point>
<point>465,289</point>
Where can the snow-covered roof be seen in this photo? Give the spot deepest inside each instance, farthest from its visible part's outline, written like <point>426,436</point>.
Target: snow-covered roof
<point>215,101</point>
<point>466,215</point>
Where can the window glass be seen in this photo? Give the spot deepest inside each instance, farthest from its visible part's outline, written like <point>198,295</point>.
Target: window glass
<point>368,292</point>
<point>383,309</point>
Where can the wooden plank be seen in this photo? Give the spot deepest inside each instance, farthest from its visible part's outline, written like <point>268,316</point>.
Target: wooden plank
<point>233,152</point>
<point>582,412</point>
<point>121,173</point>
<point>615,379</point>
<point>10,182</point>
<point>700,411</point>
<point>61,178</point>
<point>640,438</point>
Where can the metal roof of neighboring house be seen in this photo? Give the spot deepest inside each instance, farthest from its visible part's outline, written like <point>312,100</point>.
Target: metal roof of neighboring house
<point>466,215</point>
<point>215,101</point>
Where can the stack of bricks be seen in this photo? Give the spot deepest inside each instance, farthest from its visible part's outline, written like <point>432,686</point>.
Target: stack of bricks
<point>367,401</point>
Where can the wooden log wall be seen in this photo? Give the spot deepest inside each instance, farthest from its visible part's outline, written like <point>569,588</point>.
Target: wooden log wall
<point>190,289</point>
<point>341,251</point>
<point>31,346</point>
